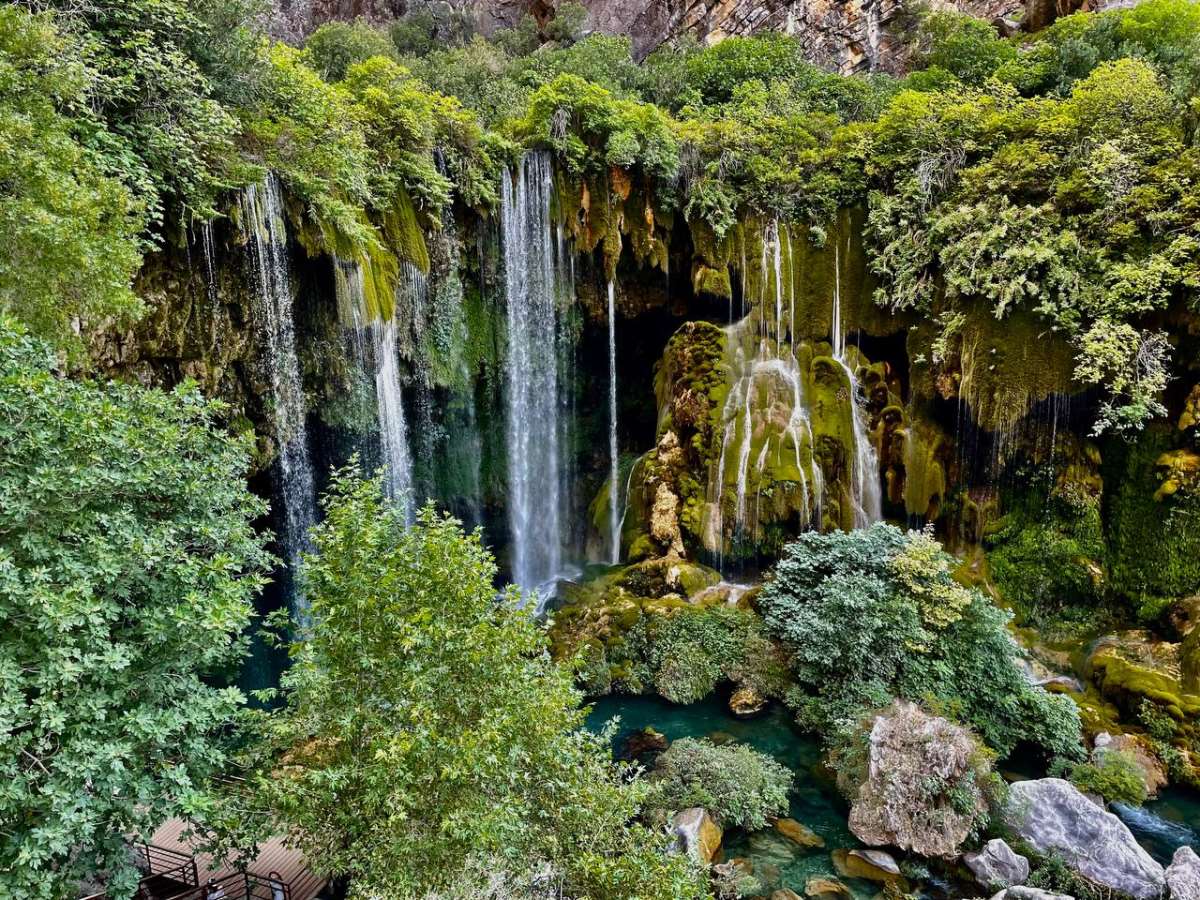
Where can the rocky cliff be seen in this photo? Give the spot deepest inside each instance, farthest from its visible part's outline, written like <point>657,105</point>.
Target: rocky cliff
<point>843,35</point>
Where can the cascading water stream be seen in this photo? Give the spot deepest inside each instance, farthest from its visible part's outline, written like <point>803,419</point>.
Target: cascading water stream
<point>393,430</point>
<point>383,362</point>
<point>263,218</point>
<point>533,279</point>
<point>867,490</point>
<point>613,451</point>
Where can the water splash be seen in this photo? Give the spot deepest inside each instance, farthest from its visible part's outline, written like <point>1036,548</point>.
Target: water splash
<point>534,277</point>
<point>614,462</point>
<point>867,490</point>
<point>267,248</point>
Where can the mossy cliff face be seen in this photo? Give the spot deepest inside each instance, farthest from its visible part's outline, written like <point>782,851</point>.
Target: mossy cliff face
<point>756,442</point>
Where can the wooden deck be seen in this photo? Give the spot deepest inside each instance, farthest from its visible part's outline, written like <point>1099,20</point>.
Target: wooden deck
<point>272,856</point>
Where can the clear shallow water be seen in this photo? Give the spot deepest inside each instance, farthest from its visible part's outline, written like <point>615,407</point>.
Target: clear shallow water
<point>1164,825</point>
<point>815,801</point>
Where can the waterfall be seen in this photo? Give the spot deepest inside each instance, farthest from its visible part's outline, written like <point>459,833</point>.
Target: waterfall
<point>263,219</point>
<point>533,279</point>
<point>383,362</point>
<point>613,458</point>
<point>864,467</point>
<point>393,431</point>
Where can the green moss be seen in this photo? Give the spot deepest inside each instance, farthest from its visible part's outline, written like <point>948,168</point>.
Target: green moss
<point>1153,545</point>
<point>403,231</point>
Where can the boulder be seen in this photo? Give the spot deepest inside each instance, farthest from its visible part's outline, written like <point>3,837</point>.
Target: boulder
<point>910,750</point>
<point>997,865</point>
<point>1028,893</point>
<point>826,889</point>
<point>1154,775</point>
<point>648,740</point>
<point>746,702</point>
<point>871,865</point>
<point>785,894</point>
<point>798,834</point>
<point>697,834</point>
<point>1183,875</point>
<point>1053,816</point>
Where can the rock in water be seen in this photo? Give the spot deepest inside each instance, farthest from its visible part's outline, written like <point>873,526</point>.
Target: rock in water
<point>910,750</point>
<point>643,742</point>
<point>1028,893</point>
<point>872,865</point>
<point>1053,815</point>
<point>697,834</point>
<point>799,834</point>
<point>746,702</point>
<point>826,889</point>
<point>1183,875</point>
<point>997,865</point>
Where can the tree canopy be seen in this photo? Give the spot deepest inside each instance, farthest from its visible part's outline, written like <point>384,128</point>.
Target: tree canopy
<point>128,561</point>
<point>428,742</point>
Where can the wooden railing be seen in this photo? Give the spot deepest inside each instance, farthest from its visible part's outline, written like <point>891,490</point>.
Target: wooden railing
<point>171,875</point>
<point>162,866</point>
<point>237,886</point>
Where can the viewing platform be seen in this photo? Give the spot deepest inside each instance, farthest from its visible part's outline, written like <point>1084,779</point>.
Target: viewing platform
<point>174,870</point>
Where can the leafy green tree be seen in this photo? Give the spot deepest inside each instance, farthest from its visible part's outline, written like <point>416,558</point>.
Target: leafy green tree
<point>874,614</point>
<point>68,230</point>
<point>164,132</point>
<point>963,45</point>
<point>737,784</point>
<point>128,562</point>
<point>427,735</point>
<point>334,47</point>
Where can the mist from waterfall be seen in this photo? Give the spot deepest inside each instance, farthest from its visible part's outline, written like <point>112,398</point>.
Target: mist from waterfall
<point>267,249</point>
<point>867,489</point>
<point>614,462</point>
<point>535,276</point>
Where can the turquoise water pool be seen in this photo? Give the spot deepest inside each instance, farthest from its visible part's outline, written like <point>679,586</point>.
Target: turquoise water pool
<point>815,801</point>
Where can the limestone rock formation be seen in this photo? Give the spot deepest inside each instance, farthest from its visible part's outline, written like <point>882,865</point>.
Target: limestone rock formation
<point>1183,875</point>
<point>997,865</point>
<point>909,752</point>
<point>697,834</point>
<point>1054,816</point>
<point>844,35</point>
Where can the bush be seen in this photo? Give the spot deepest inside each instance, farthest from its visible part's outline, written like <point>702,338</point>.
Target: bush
<point>737,785</point>
<point>1113,775</point>
<point>875,613</point>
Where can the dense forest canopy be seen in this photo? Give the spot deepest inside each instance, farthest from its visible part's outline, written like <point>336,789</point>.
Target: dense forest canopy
<point>1021,216</point>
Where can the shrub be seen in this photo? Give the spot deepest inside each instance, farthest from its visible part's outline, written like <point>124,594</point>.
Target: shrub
<point>1113,775</point>
<point>875,613</point>
<point>736,784</point>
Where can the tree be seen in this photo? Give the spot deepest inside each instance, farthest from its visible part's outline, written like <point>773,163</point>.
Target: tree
<point>336,46</point>
<point>737,784</point>
<point>428,740</point>
<point>128,561</point>
<point>68,230</point>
